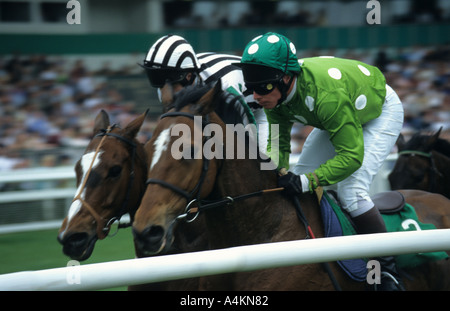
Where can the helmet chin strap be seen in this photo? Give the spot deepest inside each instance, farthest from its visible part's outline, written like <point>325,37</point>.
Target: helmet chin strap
<point>284,88</point>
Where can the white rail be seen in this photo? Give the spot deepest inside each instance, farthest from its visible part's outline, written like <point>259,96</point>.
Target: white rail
<point>244,258</point>
<point>37,174</point>
<point>21,201</point>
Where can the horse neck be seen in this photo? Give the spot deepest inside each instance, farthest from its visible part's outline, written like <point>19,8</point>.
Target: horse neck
<point>261,219</point>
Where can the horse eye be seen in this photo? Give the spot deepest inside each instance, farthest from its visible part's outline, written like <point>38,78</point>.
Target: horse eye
<point>115,171</point>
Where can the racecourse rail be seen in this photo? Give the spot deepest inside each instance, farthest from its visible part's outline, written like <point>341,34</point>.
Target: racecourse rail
<point>236,259</point>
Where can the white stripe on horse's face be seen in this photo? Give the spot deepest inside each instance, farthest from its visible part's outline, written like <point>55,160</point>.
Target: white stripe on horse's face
<point>85,162</point>
<point>160,145</point>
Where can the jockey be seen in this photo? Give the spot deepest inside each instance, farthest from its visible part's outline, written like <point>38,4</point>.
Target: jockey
<point>356,117</point>
<point>171,59</point>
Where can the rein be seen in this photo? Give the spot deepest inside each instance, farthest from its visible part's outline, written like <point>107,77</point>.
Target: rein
<point>207,204</point>
<point>103,225</point>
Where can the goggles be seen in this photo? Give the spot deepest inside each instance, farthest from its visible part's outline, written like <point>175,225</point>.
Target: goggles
<point>159,77</point>
<point>262,88</point>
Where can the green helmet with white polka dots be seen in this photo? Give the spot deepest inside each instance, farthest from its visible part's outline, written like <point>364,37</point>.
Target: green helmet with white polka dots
<point>271,50</point>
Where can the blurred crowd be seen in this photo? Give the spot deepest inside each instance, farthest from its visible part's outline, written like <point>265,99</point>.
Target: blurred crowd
<point>49,106</point>
<point>286,13</point>
<point>47,109</point>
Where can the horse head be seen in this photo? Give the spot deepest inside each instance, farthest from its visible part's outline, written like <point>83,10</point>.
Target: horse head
<point>179,172</point>
<point>414,167</point>
<point>110,180</point>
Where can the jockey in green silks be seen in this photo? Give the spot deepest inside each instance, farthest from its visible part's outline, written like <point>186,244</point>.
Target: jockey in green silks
<point>356,117</point>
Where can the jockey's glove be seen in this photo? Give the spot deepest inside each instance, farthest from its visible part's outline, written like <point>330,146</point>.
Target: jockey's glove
<point>294,184</point>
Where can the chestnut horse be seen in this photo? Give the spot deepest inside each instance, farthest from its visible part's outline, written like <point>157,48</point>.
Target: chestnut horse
<point>423,163</point>
<point>111,181</point>
<point>180,187</point>
<point>112,187</point>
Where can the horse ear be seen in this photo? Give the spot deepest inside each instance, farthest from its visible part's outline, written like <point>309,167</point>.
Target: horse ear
<point>433,139</point>
<point>401,142</point>
<point>438,132</point>
<point>209,101</point>
<point>134,126</point>
<point>101,121</point>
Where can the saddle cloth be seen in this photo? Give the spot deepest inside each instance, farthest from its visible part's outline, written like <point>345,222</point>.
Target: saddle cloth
<point>337,223</point>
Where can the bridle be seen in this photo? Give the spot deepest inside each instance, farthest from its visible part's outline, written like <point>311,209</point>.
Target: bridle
<point>195,205</point>
<point>103,225</point>
<point>433,169</point>
<point>194,195</point>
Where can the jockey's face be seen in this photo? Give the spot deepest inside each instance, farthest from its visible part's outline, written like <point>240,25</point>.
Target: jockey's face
<point>270,100</point>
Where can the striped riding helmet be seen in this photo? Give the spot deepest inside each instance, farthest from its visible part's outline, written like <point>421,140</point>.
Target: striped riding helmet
<point>170,60</point>
<point>173,52</point>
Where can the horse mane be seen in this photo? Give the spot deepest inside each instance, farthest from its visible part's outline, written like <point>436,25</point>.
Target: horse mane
<point>229,108</point>
<point>189,95</point>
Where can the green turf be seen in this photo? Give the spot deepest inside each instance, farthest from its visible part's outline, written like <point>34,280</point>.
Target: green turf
<point>38,250</point>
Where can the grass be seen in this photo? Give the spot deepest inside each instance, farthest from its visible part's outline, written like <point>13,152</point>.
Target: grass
<point>37,250</point>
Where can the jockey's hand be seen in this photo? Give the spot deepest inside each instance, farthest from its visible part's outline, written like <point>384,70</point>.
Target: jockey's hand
<point>292,183</point>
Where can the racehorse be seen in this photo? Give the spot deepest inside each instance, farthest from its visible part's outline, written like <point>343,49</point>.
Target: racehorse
<point>111,181</point>
<point>228,193</point>
<point>423,163</point>
<point>112,187</point>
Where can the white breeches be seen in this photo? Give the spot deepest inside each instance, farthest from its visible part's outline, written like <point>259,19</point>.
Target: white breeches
<point>380,136</point>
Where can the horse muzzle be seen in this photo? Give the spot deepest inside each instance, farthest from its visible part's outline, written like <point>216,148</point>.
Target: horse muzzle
<point>153,240</point>
<point>77,245</point>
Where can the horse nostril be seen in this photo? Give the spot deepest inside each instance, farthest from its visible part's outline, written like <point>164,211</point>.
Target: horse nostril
<point>153,234</point>
<point>75,239</point>
<point>149,238</point>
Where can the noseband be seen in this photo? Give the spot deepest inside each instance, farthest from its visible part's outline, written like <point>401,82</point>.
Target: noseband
<point>103,224</point>
<point>194,195</point>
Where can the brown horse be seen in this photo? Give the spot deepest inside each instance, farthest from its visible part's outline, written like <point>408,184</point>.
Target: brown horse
<point>111,181</point>
<point>179,188</point>
<point>423,164</point>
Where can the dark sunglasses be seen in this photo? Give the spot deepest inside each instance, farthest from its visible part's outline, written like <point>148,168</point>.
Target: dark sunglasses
<point>159,77</point>
<point>262,88</point>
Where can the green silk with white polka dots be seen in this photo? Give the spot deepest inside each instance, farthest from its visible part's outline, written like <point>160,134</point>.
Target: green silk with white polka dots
<point>336,95</point>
